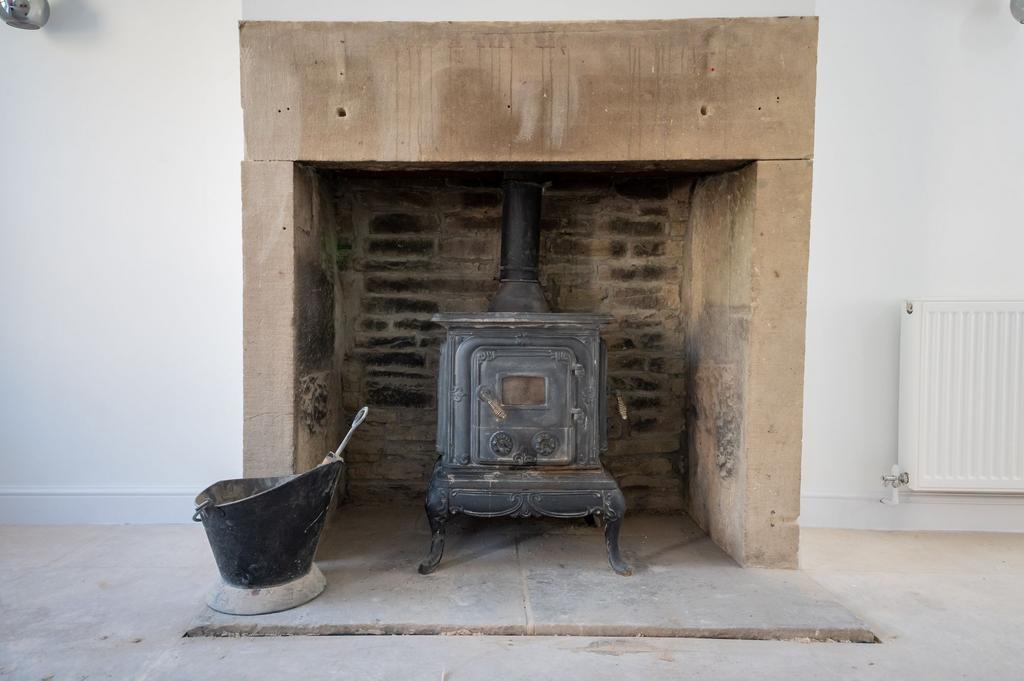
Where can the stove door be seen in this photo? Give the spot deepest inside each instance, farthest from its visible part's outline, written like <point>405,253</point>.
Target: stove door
<point>523,406</point>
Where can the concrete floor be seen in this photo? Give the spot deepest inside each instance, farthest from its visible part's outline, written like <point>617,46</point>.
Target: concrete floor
<point>111,602</point>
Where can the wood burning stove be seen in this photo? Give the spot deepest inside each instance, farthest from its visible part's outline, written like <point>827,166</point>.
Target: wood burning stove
<point>521,401</point>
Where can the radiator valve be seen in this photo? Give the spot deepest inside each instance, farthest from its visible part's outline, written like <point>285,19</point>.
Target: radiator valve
<point>895,479</point>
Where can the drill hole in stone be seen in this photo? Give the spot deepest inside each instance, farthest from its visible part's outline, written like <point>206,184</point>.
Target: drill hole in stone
<point>703,109</point>
<point>341,112</point>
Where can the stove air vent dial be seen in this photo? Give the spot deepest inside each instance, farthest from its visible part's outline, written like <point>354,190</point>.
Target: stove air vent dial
<point>502,443</point>
<point>544,443</point>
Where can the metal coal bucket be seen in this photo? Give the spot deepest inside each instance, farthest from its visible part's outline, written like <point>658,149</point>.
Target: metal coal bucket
<point>264,533</point>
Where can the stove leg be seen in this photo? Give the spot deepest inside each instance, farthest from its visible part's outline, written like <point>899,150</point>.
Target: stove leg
<point>437,516</point>
<point>611,540</point>
<point>614,510</point>
<point>436,549</point>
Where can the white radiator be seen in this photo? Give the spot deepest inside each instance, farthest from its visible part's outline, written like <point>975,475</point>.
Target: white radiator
<point>962,396</point>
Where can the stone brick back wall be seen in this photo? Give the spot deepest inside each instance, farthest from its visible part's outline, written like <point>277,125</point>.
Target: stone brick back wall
<point>407,245</point>
<point>615,245</point>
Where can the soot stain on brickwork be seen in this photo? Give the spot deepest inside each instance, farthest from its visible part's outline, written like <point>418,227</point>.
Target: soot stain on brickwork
<point>313,401</point>
<point>315,322</point>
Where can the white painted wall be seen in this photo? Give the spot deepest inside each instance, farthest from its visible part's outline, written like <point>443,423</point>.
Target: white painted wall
<point>120,257</point>
<point>918,179</point>
<point>120,261</point>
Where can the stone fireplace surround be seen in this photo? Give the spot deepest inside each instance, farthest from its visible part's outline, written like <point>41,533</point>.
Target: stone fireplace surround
<point>679,154</point>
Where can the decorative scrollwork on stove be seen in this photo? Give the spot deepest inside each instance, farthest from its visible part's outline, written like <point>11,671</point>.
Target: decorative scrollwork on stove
<point>544,443</point>
<point>488,505</point>
<point>614,505</point>
<point>561,356</point>
<point>482,356</point>
<point>567,504</point>
<point>458,394</point>
<point>502,443</point>
<point>521,458</point>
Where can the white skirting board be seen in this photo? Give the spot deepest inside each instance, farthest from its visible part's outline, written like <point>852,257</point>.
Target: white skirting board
<point>72,505</point>
<point>915,512</point>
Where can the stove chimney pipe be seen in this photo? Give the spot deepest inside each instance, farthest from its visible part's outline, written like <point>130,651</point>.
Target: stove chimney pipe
<point>520,289</point>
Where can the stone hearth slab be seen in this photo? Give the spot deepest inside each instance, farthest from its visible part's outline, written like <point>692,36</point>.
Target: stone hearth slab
<point>530,577</point>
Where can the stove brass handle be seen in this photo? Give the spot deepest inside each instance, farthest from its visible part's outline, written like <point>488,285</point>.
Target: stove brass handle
<point>623,412</point>
<point>487,396</point>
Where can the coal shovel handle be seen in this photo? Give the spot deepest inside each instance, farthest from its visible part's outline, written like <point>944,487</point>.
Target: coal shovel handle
<point>356,422</point>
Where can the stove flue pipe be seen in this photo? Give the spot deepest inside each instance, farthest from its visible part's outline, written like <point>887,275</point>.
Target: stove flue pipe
<point>520,289</point>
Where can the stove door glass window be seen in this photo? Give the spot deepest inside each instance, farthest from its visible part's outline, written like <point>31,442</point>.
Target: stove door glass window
<point>523,391</point>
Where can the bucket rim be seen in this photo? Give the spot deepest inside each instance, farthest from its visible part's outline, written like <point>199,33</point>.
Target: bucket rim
<point>284,480</point>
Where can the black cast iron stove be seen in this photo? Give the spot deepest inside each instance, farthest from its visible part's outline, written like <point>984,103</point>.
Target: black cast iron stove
<point>521,401</point>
